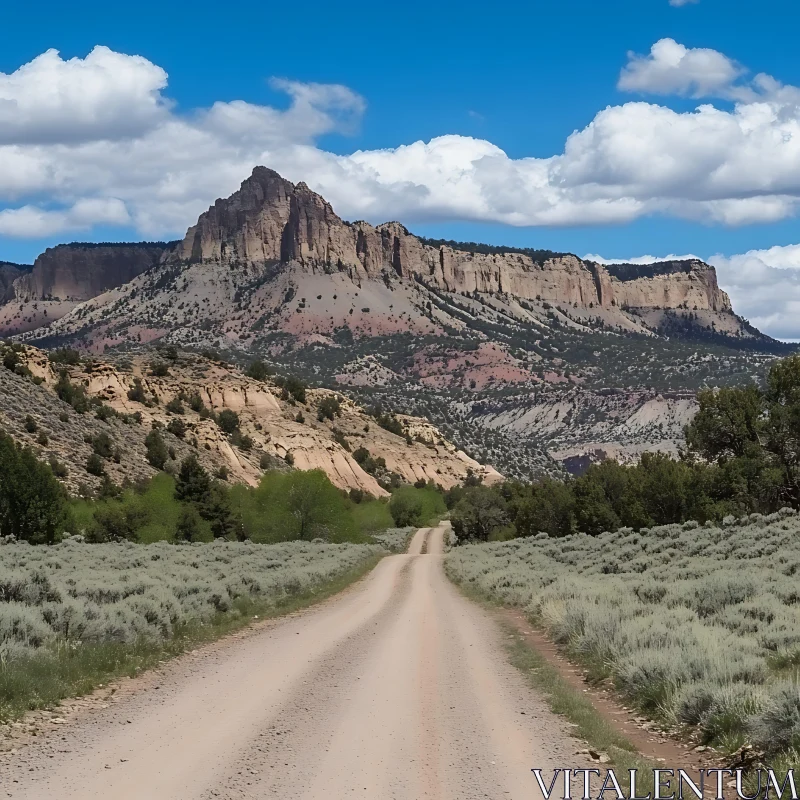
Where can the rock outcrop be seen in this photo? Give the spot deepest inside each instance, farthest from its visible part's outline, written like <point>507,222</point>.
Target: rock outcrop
<point>279,429</point>
<point>82,271</point>
<point>269,219</point>
<point>8,274</point>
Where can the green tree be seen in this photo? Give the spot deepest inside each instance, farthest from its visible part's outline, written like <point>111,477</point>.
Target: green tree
<point>228,421</point>
<point>546,507</point>
<point>95,466</point>
<point>329,408</point>
<point>727,422</point>
<point>189,526</point>
<point>71,394</point>
<point>258,371</point>
<point>157,452</point>
<point>33,504</point>
<point>406,510</point>
<point>193,483</point>
<point>114,523</point>
<point>480,513</point>
<point>314,504</point>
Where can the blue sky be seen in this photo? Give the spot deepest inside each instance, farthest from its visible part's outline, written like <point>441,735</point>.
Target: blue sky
<point>515,79</point>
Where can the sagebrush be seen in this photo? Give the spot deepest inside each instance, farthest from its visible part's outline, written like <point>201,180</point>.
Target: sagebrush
<point>695,625</point>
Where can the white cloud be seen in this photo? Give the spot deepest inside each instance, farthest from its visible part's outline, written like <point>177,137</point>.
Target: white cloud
<point>764,285</point>
<point>102,130</point>
<point>639,259</point>
<point>671,68</point>
<point>105,95</point>
<point>678,3</point>
<point>34,222</point>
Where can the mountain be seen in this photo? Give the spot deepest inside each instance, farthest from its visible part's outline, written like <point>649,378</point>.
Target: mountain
<point>66,275</point>
<point>280,428</point>
<point>520,355</point>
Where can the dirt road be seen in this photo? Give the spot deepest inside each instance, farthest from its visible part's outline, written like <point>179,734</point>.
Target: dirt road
<point>398,688</point>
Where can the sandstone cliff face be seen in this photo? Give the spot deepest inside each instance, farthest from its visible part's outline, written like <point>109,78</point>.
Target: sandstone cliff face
<point>270,219</point>
<point>80,272</point>
<point>248,226</point>
<point>8,274</point>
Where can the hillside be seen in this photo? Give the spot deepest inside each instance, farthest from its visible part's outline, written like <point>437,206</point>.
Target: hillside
<point>279,428</point>
<point>487,342</point>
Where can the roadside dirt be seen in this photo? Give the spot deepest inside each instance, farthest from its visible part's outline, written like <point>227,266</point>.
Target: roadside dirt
<point>398,688</point>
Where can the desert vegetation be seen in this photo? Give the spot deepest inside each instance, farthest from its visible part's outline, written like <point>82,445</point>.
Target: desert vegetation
<point>695,625</point>
<point>75,614</point>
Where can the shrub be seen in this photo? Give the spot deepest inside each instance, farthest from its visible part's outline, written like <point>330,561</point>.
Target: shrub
<point>692,624</point>
<point>65,355</point>
<point>159,369</point>
<point>157,453</point>
<point>228,421</point>
<point>175,406</point>
<point>340,439</point>
<point>11,360</point>
<point>177,427</point>
<point>196,403</point>
<point>329,408</point>
<point>30,424</point>
<point>105,413</point>
<point>102,445</point>
<point>58,469</point>
<point>94,465</point>
<point>389,422</point>
<point>259,371</point>
<point>112,524</point>
<point>71,394</point>
<point>294,388</point>
<point>136,393</point>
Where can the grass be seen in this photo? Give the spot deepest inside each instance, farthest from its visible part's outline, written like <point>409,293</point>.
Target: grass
<point>61,669</point>
<point>372,516</point>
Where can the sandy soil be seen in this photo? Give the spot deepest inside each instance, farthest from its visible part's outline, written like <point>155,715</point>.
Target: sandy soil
<point>398,688</point>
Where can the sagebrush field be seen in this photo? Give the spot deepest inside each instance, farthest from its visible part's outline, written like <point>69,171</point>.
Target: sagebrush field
<point>695,625</point>
<point>75,613</point>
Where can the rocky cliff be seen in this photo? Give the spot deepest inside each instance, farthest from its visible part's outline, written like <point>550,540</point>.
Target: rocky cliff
<point>8,274</point>
<point>82,271</point>
<point>269,220</point>
<point>280,430</point>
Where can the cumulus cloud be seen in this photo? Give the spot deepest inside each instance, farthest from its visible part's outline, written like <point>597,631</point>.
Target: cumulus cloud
<point>764,285</point>
<point>672,68</point>
<point>105,95</point>
<point>35,222</point>
<point>102,130</point>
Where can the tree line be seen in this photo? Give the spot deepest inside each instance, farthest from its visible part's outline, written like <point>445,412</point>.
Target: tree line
<point>741,456</point>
